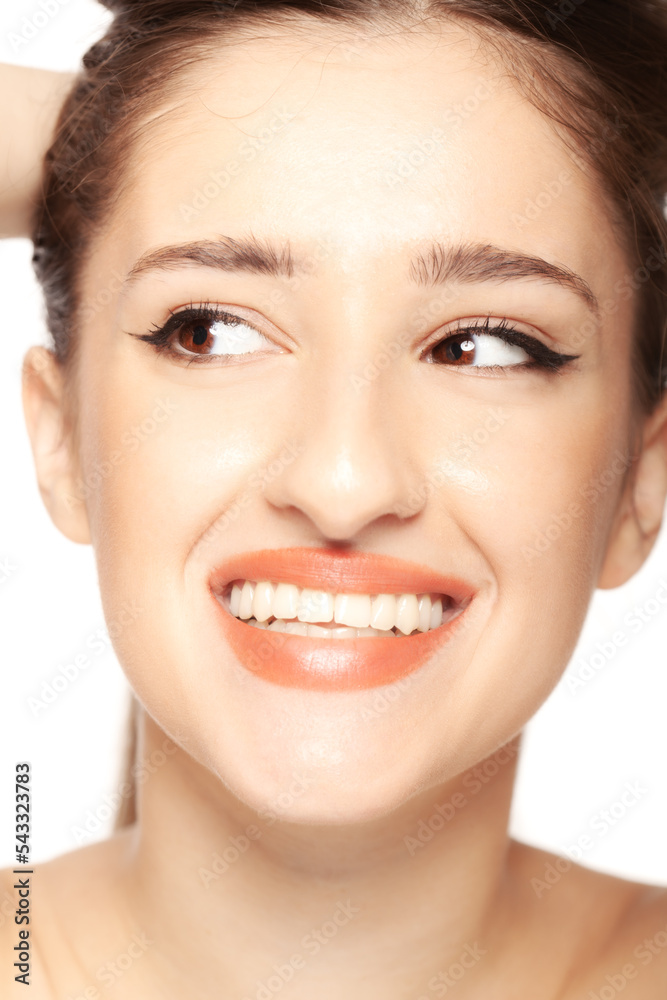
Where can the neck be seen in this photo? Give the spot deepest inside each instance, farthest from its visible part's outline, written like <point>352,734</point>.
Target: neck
<point>389,902</point>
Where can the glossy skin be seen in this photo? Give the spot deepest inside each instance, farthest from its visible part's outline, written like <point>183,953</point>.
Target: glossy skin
<point>365,445</point>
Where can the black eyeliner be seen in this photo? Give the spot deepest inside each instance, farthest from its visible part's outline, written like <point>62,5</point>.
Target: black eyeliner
<point>159,336</point>
<point>545,358</point>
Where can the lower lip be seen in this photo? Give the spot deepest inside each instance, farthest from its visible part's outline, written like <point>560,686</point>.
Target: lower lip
<point>331,664</point>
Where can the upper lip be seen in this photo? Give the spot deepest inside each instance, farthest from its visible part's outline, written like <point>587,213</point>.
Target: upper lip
<point>339,572</point>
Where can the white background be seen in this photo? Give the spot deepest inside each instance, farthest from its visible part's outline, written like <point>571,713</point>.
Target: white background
<point>580,750</point>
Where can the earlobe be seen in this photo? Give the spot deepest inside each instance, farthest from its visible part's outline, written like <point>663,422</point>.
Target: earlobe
<point>51,442</point>
<point>642,507</point>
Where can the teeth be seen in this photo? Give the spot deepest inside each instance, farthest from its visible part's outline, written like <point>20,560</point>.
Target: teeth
<point>317,606</point>
<point>407,613</point>
<point>284,607</point>
<point>316,631</point>
<point>352,609</point>
<point>245,600</point>
<point>383,611</point>
<point>285,600</point>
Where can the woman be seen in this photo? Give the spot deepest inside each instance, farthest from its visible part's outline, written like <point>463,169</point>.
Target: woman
<point>313,279</point>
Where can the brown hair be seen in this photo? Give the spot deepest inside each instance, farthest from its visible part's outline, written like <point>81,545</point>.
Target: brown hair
<point>597,68</point>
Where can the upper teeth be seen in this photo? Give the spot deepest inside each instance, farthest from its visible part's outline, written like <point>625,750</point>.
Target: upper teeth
<point>405,612</point>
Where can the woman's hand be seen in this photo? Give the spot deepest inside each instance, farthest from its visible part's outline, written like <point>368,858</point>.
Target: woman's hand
<point>30,100</point>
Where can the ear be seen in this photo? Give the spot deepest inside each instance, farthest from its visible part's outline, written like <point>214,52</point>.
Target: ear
<point>52,443</point>
<point>642,507</point>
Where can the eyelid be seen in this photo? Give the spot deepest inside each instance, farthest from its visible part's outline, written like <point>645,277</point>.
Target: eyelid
<point>210,310</point>
<point>160,335</point>
<point>491,325</point>
<point>543,357</point>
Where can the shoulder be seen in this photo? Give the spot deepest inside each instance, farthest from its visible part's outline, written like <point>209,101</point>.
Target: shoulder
<point>74,912</point>
<point>616,928</point>
<point>635,959</point>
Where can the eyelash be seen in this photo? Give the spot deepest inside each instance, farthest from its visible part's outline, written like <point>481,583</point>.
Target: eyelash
<point>543,357</point>
<point>160,336</point>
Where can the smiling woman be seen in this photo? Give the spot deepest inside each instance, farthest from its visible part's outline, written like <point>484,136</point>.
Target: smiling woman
<point>332,242</point>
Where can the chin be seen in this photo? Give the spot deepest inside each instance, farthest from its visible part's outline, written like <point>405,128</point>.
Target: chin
<point>322,801</point>
<point>320,780</point>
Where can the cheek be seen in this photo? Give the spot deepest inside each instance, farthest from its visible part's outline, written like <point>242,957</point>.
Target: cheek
<point>166,483</point>
<point>160,467</point>
<point>554,475</point>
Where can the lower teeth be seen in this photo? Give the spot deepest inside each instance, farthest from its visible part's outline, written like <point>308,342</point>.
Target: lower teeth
<point>320,631</point>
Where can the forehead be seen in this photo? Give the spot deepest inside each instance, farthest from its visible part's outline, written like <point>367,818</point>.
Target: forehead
<point>368,140</point>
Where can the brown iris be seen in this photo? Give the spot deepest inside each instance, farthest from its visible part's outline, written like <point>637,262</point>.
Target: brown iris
<point>195,336</point>
<point>456,350</point>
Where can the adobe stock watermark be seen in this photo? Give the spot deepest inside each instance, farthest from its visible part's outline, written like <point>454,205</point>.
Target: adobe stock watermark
<point>473,781</point>
<point>355,46</point>
<point>33,24</point>
<point>312,943</point>
<point>624,288</point>
<point>257,482</point>
<point>445,980</point>
<point>449,470</point>
<point>219,180</point>
<point>110,972</point>
<point>239,844</point>
<point>406,165</point>
<point>129,443</point>
<point>645,952</point>
<point>586,668</point>
<point>548,194</point>
<point>599,826</point>
<point>383,699</point>
<point>96,303</point>
<point>590,492</point>
<point>309,266</point>
<point>97,642</point>
<point>562,12</point>
<point>467,444</point>
<point>419,322</point>
<point>140,772</point>
<point>551,190</point>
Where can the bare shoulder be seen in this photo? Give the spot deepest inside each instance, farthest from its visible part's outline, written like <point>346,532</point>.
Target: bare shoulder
<point>635,960</point>
<point>59,897</point>
<point>615,929</point>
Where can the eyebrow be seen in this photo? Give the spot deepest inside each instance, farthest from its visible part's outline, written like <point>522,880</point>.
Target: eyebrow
<point>437,264</point>
<point>475,263</point>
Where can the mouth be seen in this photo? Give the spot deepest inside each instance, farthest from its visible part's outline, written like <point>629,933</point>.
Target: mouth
<point>323,620</point>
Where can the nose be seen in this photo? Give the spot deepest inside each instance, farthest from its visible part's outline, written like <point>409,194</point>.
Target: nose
<point>357,460</point>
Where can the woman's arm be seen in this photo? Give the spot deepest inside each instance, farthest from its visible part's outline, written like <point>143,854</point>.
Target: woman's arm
<point>30,100</point>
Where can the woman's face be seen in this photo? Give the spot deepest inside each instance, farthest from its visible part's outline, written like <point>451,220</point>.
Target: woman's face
<point>337,425</point>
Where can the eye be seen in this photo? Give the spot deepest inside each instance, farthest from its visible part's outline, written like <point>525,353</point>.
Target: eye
<point>495,346</point>
<point>210,334</point>
<point>479,350</point>
<point>206,334</point>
